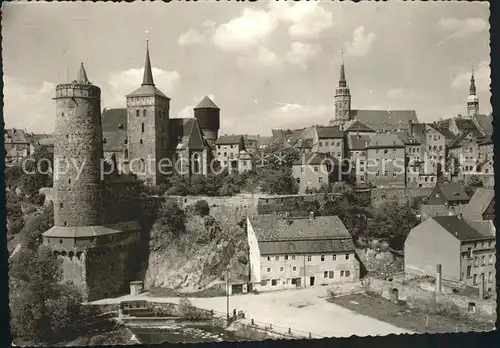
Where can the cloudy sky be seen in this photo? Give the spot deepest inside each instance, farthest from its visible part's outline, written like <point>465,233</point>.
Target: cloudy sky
<point>266,65</point>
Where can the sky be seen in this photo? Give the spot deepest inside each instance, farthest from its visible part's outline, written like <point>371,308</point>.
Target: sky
<point>267,64</point>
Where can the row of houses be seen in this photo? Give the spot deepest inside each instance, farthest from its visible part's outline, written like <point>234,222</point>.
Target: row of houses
<point>19,144</point>
<point>458,233</point>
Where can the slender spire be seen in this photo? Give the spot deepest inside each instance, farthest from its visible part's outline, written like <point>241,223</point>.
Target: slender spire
<point>148,74</point>
<point>342,80</point>
<point>472,88</point>
<point>82,76</point>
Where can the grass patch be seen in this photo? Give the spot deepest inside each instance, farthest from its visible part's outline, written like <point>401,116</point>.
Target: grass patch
<point>402,316</point>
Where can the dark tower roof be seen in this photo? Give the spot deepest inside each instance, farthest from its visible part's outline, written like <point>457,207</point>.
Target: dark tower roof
<point>206,103</point>
<point>342,80</point>
<point>82,76</point>
<point>148,74</point>
<point>472,88</point>
<point>241,144</point>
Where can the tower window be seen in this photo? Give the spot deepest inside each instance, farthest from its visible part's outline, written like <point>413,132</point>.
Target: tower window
<point>62,114</point>
<point>144,112</point>
<point>137,112</point>
<point>140,141</point>
<point>142,127</point>
<point>69,181</point>
<point>60,205</point>
<point>125,141</point>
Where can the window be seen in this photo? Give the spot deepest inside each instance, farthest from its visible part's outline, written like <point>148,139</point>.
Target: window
<point>268,270</point>
<point>142,127</point>
<point>376,151</point>
<point>483,260</point>
<point>294,268</point>
<point>322,257</point>
<point>137,113</point>
<point>286,257</point>
<point>277,258</point>
<point>293,257</point>
<point>269,258</point>
<point>320,144</point>
<point>490,276</point>
<point>394,174</point>
<point>320,180</point>
<point>393,150</point>
<point>62,114</point>
<point>140,141</point>
<point>302,169</point>
<point>60,205</point>
<point>347,273</point>
<point>325,274</point>
<point>309,257</point>
<point>475,261</point>
<point>225,154</point>
<point>273,282</point>
<point>60,241</point>
<point>491,259</point>
<point>281,269</point>
<point>347,256</point>
<point>144,112</point>
<point>341,273</point>
<point>315,169</point>
<point>385,151</point>
<point>69,181</point>
<point>231,146</point>
<point>475,279</point>
<point>386,173</point>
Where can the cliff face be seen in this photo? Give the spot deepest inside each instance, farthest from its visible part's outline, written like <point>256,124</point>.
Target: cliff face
<point>198,258</point>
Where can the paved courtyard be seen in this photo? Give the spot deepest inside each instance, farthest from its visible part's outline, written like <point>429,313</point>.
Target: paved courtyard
<point>304,310</point>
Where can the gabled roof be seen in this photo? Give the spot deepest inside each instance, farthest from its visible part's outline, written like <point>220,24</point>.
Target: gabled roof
<point>207,103</point>
<point>478,203</point>
<point>185,134</point>
<point>451,191</point>
<point>276,228</point>
<point>357,142</point>
<point>458,140</point>
<point>356,126</point>
<point>329,132</point>
<point>228,139</point>
<point>466,230</point>
<point>385,119</point>
<point>386,140</point>
<point>464,124</point>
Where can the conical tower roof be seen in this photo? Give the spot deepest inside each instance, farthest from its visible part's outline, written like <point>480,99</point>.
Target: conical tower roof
<point>148,73</point>
<point>82,76</point>
<point>472,88</point>
<point>206,103</point>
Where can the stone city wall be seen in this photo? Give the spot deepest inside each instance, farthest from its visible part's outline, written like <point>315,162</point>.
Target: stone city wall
<point>379,195</point>
<point>419,298</point>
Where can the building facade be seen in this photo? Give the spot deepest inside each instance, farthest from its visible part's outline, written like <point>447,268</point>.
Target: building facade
<point>386,161</point>
<point>283,256</point>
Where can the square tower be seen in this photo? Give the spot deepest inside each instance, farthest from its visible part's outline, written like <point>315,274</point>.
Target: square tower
<point>148,152</point>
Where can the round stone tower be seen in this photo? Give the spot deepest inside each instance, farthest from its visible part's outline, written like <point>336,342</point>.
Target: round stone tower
<point>78,192</point>
<point>208,116</point>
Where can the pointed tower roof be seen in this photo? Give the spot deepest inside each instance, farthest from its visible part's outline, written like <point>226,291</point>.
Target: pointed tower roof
<point>472,88</point>
<point>241,144</point>
<point>342,80</point>
<point>206,103</point>
<point>148,86</point>
<point>148,73</point>
<point>82,76</point>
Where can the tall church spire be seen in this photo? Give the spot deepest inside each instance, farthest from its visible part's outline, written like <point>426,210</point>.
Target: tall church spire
<point>342,80</point>
<point>148,74</point>
<point>82,76</point>
<point>472,88</point>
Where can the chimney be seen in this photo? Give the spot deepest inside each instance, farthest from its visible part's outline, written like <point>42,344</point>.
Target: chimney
<point>311,215</point>
<point>438,278</point>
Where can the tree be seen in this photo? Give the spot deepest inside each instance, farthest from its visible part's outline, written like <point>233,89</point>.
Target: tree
<point>43,310</point>
<point>279,182</point>
<point>172,217</point>
<point>201,208</point>
<point>36,225</point>
<point>180,186</point>
<point>472,185</point>
<point>394,222</point>
<point>37,172</point>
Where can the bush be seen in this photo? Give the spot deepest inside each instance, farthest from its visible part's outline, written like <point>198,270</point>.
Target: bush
<point>201,208</point>
<point>187,311</point>
<point>37,199</point>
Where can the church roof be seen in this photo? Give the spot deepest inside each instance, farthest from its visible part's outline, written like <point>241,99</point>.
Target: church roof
<point>385,119</point>
<point>186,134</point>
<point>484,123</point>
<point>206,103</point>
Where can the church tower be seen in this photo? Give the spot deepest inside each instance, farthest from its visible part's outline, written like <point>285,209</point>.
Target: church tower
<point>472,100</point>
<point>342,99</point>
<point>148,128</point>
